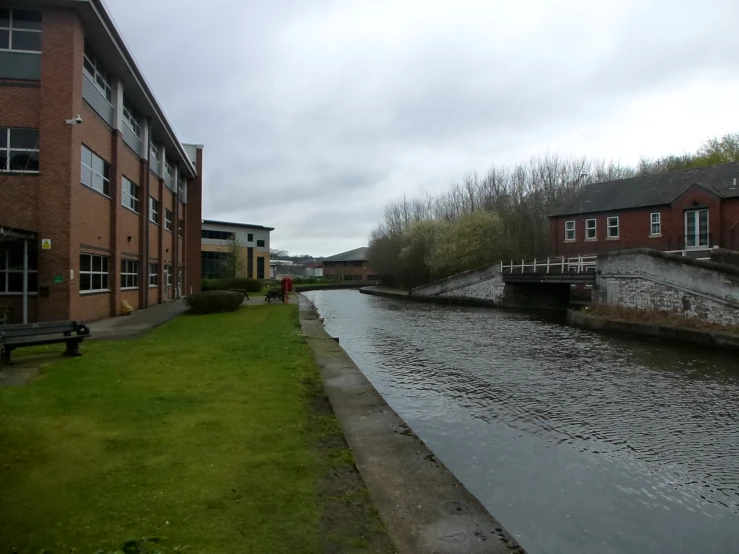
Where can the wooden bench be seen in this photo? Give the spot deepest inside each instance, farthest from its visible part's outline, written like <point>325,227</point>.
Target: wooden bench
<point>34,334</point>
<point>275,294</point>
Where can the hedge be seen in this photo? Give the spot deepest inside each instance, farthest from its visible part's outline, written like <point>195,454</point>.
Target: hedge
<point>238,283</point>
<point>215,301</point>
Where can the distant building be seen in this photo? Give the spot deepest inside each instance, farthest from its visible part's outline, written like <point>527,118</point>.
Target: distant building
<point>689,210</point>
<point>217,239</point>
<point>314,269</point>
<point>350,266</point>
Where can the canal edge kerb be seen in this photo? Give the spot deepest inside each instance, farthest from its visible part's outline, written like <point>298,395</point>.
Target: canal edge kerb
<point>424,507</point>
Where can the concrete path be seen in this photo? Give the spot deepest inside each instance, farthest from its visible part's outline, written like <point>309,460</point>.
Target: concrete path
<point>425,508</point>
<point>140,321</point>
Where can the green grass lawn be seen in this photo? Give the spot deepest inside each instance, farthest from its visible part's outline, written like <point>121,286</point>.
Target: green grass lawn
<point>200,433</point>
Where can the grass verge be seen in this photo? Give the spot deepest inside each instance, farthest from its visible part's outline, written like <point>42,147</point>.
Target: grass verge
<point>211,433</point>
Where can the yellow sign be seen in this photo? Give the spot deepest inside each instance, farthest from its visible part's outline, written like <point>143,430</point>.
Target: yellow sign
<point>46,244</point>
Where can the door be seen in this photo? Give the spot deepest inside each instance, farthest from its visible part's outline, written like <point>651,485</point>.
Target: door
<point>696,229</point>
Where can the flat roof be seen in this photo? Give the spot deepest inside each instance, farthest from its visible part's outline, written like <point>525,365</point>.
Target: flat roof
<point>234,224</point>
<point>356,255</point>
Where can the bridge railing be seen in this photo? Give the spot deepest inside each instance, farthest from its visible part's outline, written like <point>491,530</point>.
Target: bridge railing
<point>558,265</point>
<point>697,253</point>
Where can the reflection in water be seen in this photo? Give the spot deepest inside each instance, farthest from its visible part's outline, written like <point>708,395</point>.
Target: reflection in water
<point>577,442</point>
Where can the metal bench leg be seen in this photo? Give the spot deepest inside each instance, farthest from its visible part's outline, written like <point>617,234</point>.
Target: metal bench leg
<point>5,357</point>
<point>73,348</point>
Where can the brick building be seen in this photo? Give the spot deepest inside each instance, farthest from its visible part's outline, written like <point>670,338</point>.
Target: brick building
<point>351,266</point>
<point>219,238</point>
<point>692,209</point>
<point>96,191</point>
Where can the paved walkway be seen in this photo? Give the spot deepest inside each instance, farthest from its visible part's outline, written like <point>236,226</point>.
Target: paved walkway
<point>140,321</point>
<point>426,510</point>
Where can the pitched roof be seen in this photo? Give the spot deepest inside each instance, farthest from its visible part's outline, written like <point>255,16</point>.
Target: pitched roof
<point>356,255</point>
<point>651,190</point>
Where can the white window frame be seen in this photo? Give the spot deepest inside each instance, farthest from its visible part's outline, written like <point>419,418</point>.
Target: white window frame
<point>6,270</point>
<point>168,273</point>
<point>95,72</point>
<point>181,227</point>
<point>168,168</point>
<point>131,117</point>
<point>154,208</point>
<point>610,225</point>
<point>697,237</point>
<point>591,231</point>
<point>655,221</point>
<point>128,199</point>
<point>104,273</point>
<point>129,273</point>
<point>168,219</point>
<point>8,149</point>
<point>568,230</point>
<point>153,274</point>
<point>94,172</point>
<point>11,28</point>
<point>155,152</point>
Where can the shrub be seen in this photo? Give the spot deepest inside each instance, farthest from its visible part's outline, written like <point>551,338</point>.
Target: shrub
<point>214,301</point>
<point>240,283</point>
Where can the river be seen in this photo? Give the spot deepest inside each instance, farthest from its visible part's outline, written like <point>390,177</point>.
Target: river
<point>577,442</point>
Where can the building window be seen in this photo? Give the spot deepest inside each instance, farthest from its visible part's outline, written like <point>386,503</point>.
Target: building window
<point>130,194</point>
<point>153,275</point>
<point>250,237</point>
<point>216,235</point>
<point>373,277</point>
<point>95,171</point>
<point>182,190</point>
<point>18,149</point>
<point>591,232</point>
<point>260,267</point>
<point>11,268</point>
<point>20,30</point>
<point>181,228</point>
<point>655,227</point>
<point>260,244</point>
<point>153,210</point>
<point>613,227</point>
<point>213,264</point>
<point>130,117</point>
<point>167,219</point>
<point>155,152</point>
<point>97,74</point>
<point>168,274</point>
<point>169,169</point>
<point>129,274</point>
<point>570,231</point>
<point>93,273</point>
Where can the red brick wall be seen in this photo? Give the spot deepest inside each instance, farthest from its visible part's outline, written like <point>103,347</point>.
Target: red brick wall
<point>730,223</point>
<point>337,270</point>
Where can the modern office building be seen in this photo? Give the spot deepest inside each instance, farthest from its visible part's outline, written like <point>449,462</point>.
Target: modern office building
<point>239,248</point>
<point>351,266</point>
<point>100,202</point>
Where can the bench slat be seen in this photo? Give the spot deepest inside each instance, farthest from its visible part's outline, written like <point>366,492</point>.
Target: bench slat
<point>42,325</point>
<point>41,342</point>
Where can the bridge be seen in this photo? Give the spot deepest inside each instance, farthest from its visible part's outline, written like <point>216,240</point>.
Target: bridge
<point>560,270</point>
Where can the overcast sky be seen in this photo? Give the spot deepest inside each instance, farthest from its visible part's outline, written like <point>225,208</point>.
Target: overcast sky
<point>315,113</point>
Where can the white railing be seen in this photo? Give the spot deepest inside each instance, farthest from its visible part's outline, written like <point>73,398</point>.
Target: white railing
<point>692,251</point>
<point>562,264</point>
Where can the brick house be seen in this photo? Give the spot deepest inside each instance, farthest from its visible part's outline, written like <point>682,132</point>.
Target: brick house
<point>96,191</point>
<point>351,266</point>
<point>692,209</point>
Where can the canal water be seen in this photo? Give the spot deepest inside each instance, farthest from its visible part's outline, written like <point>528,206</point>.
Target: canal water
<point>577,442</point>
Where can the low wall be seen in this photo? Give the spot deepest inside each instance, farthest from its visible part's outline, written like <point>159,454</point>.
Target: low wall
<point>483,284</point>
<point>652,280</point>
<point>660,332</point>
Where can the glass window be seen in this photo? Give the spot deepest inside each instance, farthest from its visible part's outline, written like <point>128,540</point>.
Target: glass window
<point>153,275</point>
<point>97,74</point>
<point>130,194</point>
<point>655,224</point>
<point>20,30</point>
<point>153,210</point>
<point>613,227</point>
<point>130,117</point>
<point>167,219</point>
<point>591,232</point>
<point>250,237</point>
<point>569,230</point>
<point>129,274</point>
<point>93,273</point>
<point>19,149</point>
<point>95,171</point>
<point>11,268</point>
<point>260,243</point>
<point>181,228</point>
<point>155,151</point>
<point>168,168</point>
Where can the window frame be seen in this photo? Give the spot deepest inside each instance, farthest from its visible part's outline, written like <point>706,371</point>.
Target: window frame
<point>153,274</point>
<point>610,226</point>
<point>168,219</point>
<point>9,148</point>
<point>181,228</point>
<point>106,180</point>
<point>168,168</point>
<point>11,28</point>
<point>573,231</point>
<point>658,223</point>
<point>131,117</point>
<point>154,210</point>
<point>129,271</point>
<point>6,271</point>
<point>155,151</point>
<point>594,229</point>
<point>104,273</point>
<point>263,243</point>
<point>126,195</point>
<point>100,70</point>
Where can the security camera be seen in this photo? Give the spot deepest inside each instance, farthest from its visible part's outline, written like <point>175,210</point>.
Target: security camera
<point>76,121</point>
